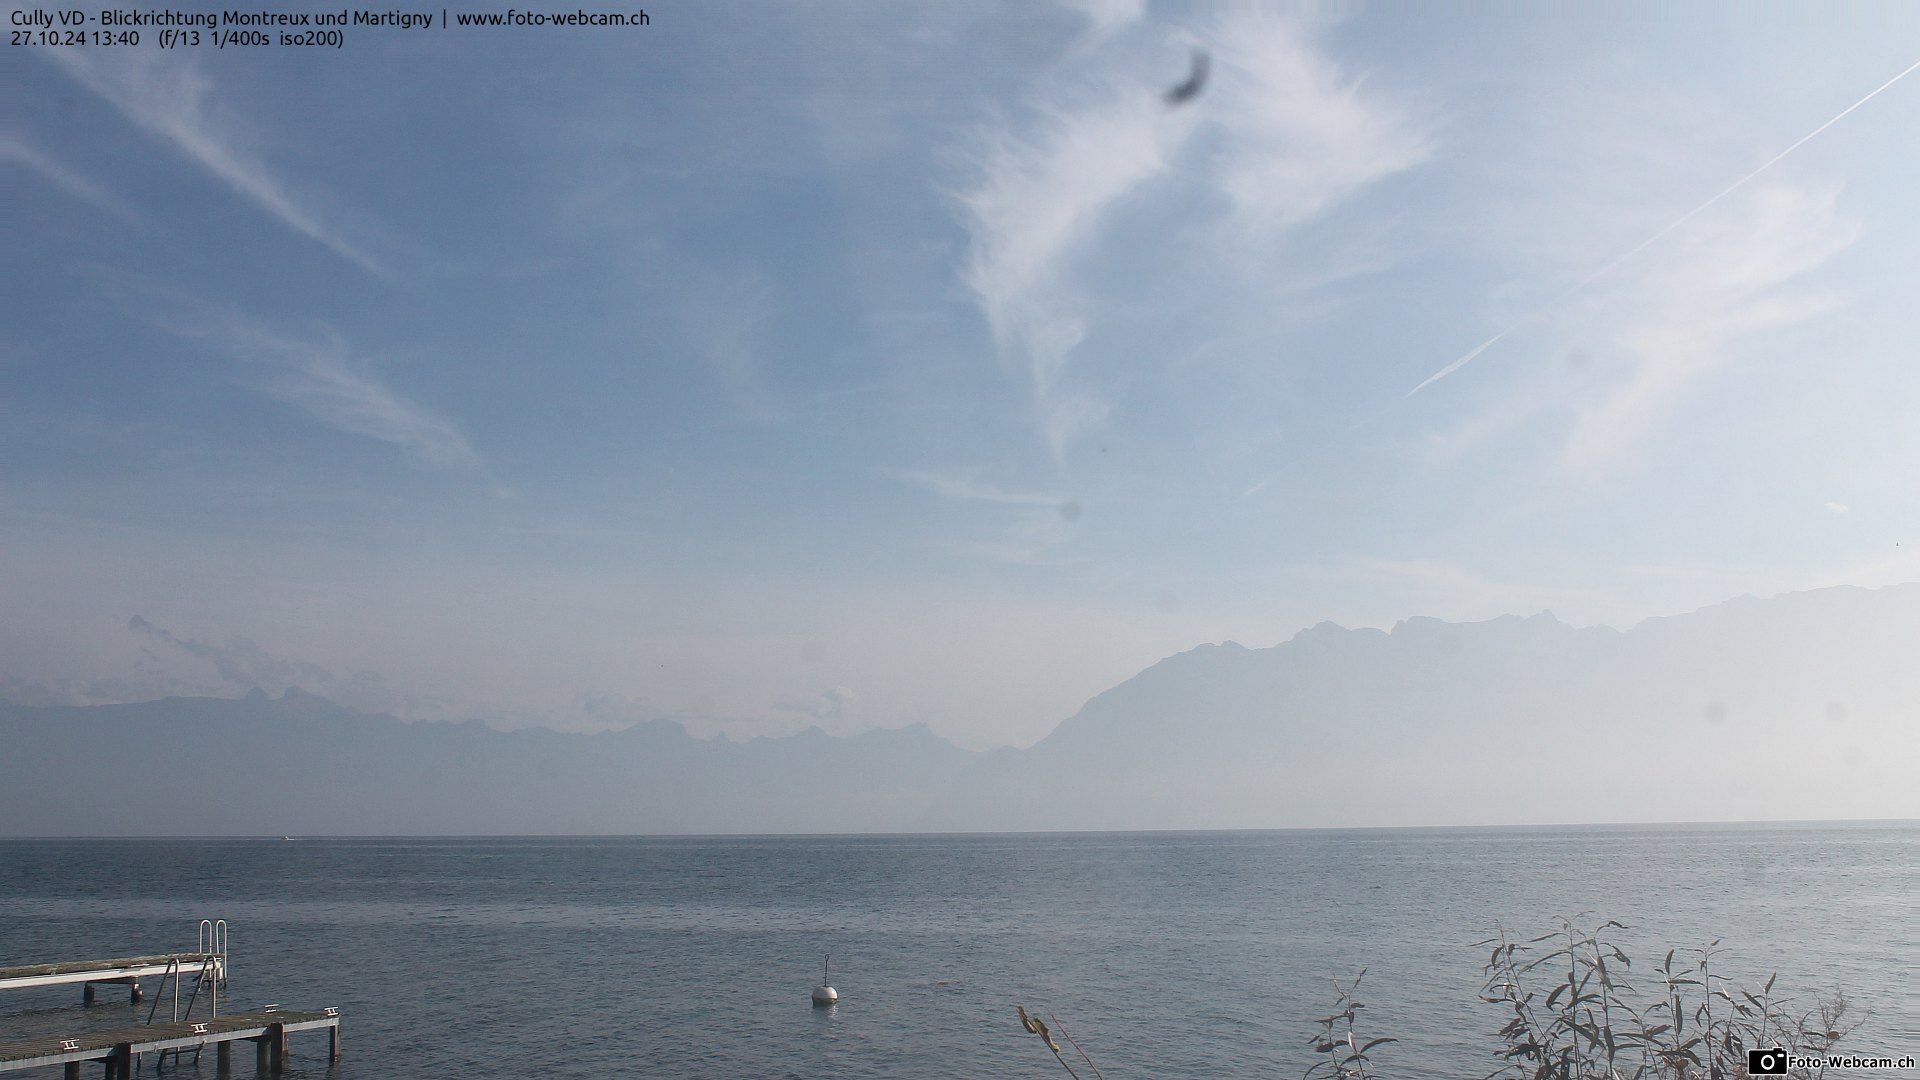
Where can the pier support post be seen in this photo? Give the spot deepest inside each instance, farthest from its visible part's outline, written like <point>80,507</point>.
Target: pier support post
<point>72,1071</point>
<point>120,1065</point>
<point>276,1048</point>
<point>135,984</point>
<point>86,993</point>
<point>223,1058</point>
<point>333,1043</point>
<point>260,1055</point>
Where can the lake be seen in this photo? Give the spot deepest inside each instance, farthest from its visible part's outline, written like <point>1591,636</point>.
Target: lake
<point>1165,954</point>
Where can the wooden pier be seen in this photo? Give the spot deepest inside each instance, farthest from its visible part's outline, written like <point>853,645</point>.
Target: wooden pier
<point>118,1049</point>
<point>127,969</point>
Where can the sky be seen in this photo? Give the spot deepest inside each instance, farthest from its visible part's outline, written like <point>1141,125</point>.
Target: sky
<point>863,365</point>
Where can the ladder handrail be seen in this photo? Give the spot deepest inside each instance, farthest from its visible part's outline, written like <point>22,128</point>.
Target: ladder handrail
<point>213,942</point>
<point>208,974</point>
<point>210,977</point>
<point>173,972</point>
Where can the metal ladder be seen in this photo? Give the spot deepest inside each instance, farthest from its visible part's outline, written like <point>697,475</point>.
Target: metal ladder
<point>211,974</point>
<point>213,942</point>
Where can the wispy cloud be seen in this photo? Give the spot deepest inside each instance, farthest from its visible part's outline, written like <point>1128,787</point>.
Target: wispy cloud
<point>242,663</point>
<point>955,486</point>
<point>173,100</point>
<point>1289,135</point>
<point>324,378</point>
<point>1742,274</point>
<point>17,151</point>
<point>1301,133</point>
<point>316,371</point>
<point>1635,348</point>
<point>1045,187</point>
<point>1108,16</point>
<point>1042,522</point>
<point>1661,234</point>
<point>831,706</point>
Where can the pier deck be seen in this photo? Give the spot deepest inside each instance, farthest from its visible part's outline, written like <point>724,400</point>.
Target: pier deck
<point>116,1049</point>
<point>121,969</point>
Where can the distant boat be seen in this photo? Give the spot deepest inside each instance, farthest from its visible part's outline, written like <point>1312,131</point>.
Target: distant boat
<point>289,838</point>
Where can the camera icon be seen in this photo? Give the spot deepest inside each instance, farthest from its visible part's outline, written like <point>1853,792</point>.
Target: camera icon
<point>1771,1061</point>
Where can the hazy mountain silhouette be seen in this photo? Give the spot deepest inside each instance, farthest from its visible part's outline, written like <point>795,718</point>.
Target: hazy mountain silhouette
<point>1801,706</point>
<point>301,764</point>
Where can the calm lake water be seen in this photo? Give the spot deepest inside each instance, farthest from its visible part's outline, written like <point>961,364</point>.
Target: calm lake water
<point>1167,955</point>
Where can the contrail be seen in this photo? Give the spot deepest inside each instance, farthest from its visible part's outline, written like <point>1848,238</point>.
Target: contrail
<point>1643,245</point>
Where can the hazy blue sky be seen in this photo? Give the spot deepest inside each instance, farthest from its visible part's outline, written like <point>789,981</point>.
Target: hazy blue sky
<point>873,364</point>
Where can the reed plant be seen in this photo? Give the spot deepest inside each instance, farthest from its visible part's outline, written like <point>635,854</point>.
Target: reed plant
<point>1345,1055</point>
<point>1573,1009</point>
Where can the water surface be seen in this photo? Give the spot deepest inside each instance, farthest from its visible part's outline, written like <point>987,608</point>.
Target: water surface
<point>1198,954</point>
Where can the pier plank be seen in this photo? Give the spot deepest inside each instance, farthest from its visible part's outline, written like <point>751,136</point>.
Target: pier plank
<point>115,970</point>
<point>101,1045</point>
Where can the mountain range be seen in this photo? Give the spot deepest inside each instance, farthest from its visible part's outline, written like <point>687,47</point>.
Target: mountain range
<point>1800,706</point>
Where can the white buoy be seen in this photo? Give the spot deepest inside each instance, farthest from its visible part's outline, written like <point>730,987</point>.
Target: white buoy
<point>824,995</point>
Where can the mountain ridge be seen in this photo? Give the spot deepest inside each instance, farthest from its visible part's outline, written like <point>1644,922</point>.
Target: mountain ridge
<point>1506,720</point>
